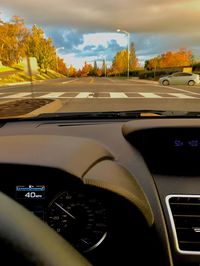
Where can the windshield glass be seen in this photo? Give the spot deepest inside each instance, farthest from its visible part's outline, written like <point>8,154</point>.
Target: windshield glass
<point>96,56</point>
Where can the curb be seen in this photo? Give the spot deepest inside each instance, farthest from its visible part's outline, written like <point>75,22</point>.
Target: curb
<point>22,83</point>
<point>48,108</point>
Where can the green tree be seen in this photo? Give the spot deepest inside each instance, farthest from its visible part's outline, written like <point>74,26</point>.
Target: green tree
<point>133,62</point>
<point>95,68</point>
<point>104,67</point>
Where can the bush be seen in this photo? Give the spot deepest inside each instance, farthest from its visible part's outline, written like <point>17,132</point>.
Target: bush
<point>196,67</point>
<point>155,75</point>
<point>135,73</point>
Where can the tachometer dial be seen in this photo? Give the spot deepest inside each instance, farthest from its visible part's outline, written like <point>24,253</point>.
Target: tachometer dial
<point>80,218</point>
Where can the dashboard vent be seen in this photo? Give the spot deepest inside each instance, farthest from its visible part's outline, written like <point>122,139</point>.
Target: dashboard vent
<point>184,212</point>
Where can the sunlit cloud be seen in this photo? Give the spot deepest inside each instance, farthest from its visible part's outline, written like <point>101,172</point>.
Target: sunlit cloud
<point>87,29</point>
<point>135,16</point>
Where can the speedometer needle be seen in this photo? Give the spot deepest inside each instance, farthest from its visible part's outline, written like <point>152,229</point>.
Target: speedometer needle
<point>58,205</point>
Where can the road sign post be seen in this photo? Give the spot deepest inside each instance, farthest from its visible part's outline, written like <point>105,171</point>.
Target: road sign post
<point>30,69</point>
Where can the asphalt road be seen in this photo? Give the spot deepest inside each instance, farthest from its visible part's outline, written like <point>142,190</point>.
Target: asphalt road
<point>108,94</point>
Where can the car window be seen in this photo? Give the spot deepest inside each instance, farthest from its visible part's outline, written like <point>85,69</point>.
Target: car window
<point>185,74</point>
<point>177,75</point>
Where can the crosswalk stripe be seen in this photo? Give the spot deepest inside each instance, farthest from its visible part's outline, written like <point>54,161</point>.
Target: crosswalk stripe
<point>150,95</point>
<point>83,95</point>
<point>101,94</point>
<point>182,96</point>
<point>17,95</point>
<point>118,95</point>
<point>52,95</point>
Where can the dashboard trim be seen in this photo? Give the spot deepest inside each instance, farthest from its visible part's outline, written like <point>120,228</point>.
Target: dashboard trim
<point>186,252</point>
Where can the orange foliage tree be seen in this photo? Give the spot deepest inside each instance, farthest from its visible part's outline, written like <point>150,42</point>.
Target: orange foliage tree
<point>120,61</point>
<point>61,66</point>
<point>86,70</point>
<point>182,57</point>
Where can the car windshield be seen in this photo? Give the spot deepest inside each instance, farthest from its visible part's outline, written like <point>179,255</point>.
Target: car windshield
<point>98,56</point>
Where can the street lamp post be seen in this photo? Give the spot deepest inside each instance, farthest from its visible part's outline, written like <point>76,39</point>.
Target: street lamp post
<point>128,57</point>
<point>57,49</point>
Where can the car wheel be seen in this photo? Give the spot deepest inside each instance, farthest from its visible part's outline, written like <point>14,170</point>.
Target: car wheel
<point>165,82</point>
<point>191,83</point>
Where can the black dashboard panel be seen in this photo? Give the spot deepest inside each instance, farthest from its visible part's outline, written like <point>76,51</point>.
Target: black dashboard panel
<point>171,151</point>
<point>164,174</point>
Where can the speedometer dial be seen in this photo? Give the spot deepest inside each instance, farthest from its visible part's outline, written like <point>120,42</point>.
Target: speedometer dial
<point>80,218</point>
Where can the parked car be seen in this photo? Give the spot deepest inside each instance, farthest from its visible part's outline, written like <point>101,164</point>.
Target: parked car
<point>180,78</point>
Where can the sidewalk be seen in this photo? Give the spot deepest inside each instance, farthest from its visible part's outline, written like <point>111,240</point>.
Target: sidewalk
<point>20,83</point>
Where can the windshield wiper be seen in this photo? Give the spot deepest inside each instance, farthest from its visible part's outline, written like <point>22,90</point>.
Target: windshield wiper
<point>135,114</point>
<point>110,115</point>
<point>98,115</point>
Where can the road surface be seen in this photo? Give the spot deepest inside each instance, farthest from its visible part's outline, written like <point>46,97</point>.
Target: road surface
<point>108,94</point>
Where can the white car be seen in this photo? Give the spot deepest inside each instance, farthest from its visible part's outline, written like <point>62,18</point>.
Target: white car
<point>180,78</point>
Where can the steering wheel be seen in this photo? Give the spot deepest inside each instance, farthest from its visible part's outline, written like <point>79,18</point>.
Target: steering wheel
<point>33,239</point>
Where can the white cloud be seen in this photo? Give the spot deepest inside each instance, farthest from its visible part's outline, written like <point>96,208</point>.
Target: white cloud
<point>103,39</point>
<point>77,62</point>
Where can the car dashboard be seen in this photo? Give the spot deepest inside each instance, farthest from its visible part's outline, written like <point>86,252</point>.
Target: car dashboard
<point>119,191</point>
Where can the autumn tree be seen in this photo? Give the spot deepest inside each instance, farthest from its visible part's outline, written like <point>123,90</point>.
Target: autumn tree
<point>41,48</point>
<point>99,72</point>
<point>71,71</point>
<point>12,35</point>
<point>86,70</point>
<point>182,57</point>
<point>61,66</point>
<point>120,61</point>
<point>17,42</point>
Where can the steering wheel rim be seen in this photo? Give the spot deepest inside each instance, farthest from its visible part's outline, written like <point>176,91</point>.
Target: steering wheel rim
<point>35,240</point>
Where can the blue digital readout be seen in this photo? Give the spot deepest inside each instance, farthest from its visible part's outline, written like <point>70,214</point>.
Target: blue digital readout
<point>195,143</point>
<point>30,192</point>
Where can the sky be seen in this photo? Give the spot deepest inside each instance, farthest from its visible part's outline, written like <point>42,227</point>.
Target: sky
<point>86,29</point>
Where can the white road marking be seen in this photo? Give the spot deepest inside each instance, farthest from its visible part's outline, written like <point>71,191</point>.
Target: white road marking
<point>83,95</point>
<point>101,95</point>
<point>181,95</point>
<point>52,95</point>
<point>69,81</point>
<point>17,95</point>
<point>118,95</point>
<point>178,89</point>
<point>149,95</point>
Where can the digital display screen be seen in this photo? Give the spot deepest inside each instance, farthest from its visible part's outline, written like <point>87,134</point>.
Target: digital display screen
<point>30,192</point>
<point>171,151</point>
<point>192,143</point>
